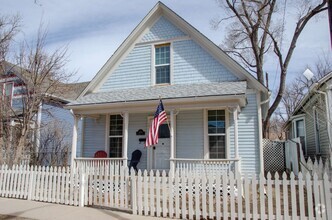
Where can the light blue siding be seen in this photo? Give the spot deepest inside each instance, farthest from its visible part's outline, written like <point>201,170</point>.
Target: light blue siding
<point>248,136</point>
<point>189,134</point>
<point>162,30</point>
<point>94,135</point>
<point>133,72</point>
<point>57,119</point>
<point>136,122</point>
<point>192,64</point>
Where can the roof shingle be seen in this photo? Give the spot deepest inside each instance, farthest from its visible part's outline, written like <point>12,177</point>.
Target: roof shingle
<point>164,92</point>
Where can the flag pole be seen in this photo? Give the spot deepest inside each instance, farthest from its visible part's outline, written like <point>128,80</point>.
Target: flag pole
<point>169,127</point>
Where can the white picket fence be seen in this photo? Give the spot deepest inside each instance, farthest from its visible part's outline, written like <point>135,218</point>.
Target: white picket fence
<point>162,194</point>
<point>217,197</point>
<point>45,184</point>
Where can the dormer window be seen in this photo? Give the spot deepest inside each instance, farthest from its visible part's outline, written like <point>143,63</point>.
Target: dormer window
<point>162,64</point>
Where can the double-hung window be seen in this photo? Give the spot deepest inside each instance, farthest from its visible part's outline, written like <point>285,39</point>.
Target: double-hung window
<point>115,136</point>
<point>6,92</point>
<point>217,134</point>
<point>162,64</point>
<point>299,131</point>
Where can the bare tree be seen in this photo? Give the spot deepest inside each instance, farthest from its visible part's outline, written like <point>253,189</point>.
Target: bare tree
<point>54,144</point>
<point>42,76</point>
<point>298,88</point>
<point>256,29</point>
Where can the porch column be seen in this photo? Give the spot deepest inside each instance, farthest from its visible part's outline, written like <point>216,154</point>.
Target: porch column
<point>172,142</point>
<point>236,140</point>
<point>125,138</point>
<point>74,141</point>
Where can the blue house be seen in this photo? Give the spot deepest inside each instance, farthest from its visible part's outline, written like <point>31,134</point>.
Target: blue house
<point>214,106</point>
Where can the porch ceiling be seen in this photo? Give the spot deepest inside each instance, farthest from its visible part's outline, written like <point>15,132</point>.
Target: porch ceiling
<point>222,89</point>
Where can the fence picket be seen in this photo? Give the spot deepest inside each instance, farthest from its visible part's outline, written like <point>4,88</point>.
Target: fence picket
<point>175,190</point>
<point>10,184</point>
<point>164,193</point>
<point>146,192</point>
<point>247,196</point>
<point>152,184</point>
<point>224,195</point>
<point>232,195</point>
<point>183,197</point>
<point>198,192</point>
<point>19,183</point>
<point>139,193</point>
<point>293,195</point>
<point>239,197</point>
<point>254,196</point>
<point>327,195</point>
<point>204,203</point>
<point>309,196</point>
<point>277,195</point>
<point>269,196</point>
<point>1,178</point>
<point>316,197</point>
<point>285,194</point>
<point>218,186</point>
<point>6,182</point>
<point>301,195</point>
<point>158,208</point>
<point>190,197</point>
<point>210,192</point>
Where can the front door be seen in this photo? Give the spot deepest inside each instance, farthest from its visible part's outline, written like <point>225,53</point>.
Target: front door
<point>160,153</point>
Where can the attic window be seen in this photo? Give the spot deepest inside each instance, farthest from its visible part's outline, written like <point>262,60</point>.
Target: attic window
<point>162,64</point>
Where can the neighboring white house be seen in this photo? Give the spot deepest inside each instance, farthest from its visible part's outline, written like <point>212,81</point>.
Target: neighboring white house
<point>311,120</point>
<point>214,106</point>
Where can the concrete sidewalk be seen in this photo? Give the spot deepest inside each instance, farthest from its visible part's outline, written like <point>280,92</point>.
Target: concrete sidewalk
<point>23,209</point>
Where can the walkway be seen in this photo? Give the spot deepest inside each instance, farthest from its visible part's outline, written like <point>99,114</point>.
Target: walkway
<point>23,209</point>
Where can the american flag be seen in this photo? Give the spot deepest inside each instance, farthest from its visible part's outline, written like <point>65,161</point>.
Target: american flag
<point>159,117</point>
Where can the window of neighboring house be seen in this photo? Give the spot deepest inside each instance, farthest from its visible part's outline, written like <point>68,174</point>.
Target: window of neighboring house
<point>162,64</point>
<point>6,91</point>
<point>115,136</point>
<point>217,134</point>
<point>317,137</point>
<point>299,131</point>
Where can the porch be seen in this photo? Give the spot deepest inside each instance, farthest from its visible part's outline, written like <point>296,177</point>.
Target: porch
<point>201,134</point>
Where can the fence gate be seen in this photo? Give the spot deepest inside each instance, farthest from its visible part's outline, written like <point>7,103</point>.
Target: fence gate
<point>106,186</point>
<point>274,155</point>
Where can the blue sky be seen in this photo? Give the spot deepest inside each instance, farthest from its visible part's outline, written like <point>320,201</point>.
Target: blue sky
<point>94,29</point>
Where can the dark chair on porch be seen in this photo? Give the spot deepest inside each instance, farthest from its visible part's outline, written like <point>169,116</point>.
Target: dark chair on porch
<point>135,158</point>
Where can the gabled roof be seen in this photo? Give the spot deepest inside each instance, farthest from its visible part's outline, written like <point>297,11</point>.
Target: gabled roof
<point>166,92</point>
<point>308,96</point>
<point>65,91</point>
<point>161,10</point>
<point>313,87</point>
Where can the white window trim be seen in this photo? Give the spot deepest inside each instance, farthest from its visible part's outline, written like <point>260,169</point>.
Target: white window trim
<point>305,132</point>
<point>153,66</point>
<point>108,136</point>
<point>206,133</point>
<point>317,135</point>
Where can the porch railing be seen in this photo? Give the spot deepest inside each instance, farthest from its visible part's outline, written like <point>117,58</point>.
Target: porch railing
<point>112,165</point>
<point>205,166</point>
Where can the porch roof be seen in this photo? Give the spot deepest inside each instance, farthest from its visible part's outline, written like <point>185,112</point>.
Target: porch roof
<point>165,92</point>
